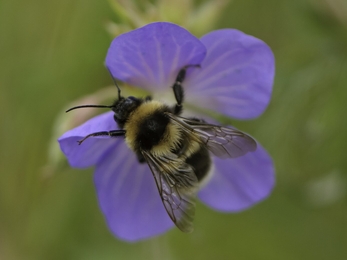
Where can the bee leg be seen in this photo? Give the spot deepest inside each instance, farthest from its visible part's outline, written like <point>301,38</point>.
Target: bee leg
<point>113,133</point>
<point>178,90</point>
<point>148,98</point>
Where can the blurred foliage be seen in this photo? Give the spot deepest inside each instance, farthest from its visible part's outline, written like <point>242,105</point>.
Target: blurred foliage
<point>53,53</point>
<point>198,17</point>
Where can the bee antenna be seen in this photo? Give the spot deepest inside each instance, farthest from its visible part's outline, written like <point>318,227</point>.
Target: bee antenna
<point>115,82</point>
<point>83,106</point>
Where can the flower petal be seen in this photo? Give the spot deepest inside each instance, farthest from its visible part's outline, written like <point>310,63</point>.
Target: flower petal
<point>239,183</point>
<point>92,149</point>
<point>128,196</point>
<point>235,78</point>
<point>150,57</point>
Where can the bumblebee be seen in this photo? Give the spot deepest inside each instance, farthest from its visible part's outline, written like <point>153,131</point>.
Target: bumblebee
<point>176,149</point>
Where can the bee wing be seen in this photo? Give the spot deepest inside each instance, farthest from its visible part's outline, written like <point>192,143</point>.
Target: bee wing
<point>224,142</point>
<point>177,185</point>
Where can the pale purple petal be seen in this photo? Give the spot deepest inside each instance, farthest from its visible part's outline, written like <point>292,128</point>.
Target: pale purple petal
<point>235,78</point>
<point>150,57</point>
<point>239,183</point>
<point>92,149</point>
<point>128,196</point>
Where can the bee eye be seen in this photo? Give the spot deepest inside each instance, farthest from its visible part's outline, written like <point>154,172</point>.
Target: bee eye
<point>132,98</point>
<point>130,102</point>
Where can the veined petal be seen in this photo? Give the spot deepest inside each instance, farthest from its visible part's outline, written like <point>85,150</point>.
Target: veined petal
<point>128,196</point>
<point>235,78</point>
<point>239,183</point>
<point>93,148</point>
<point>151,56</point>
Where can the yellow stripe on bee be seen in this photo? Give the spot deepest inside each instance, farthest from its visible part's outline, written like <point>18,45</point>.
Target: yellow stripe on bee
<point>193,147</point>
<point>170,141</point>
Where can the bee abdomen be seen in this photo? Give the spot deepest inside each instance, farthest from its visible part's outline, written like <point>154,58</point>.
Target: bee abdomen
<point>200,160</point>
<point>196,155</point>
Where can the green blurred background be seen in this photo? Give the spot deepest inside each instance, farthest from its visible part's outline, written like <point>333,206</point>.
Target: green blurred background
<point>52,52</point>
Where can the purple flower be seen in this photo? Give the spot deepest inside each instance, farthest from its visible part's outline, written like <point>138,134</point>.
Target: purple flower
<point>235,79</point>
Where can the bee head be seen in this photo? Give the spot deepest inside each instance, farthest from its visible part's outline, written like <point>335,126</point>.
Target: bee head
<point>123,107</point>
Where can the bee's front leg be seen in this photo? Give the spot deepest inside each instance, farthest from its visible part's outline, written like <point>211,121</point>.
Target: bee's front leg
<point>178,89</point>
<point>113,133</point>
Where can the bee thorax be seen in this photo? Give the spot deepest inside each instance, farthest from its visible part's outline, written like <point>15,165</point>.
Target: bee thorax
<point>149,129</point>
